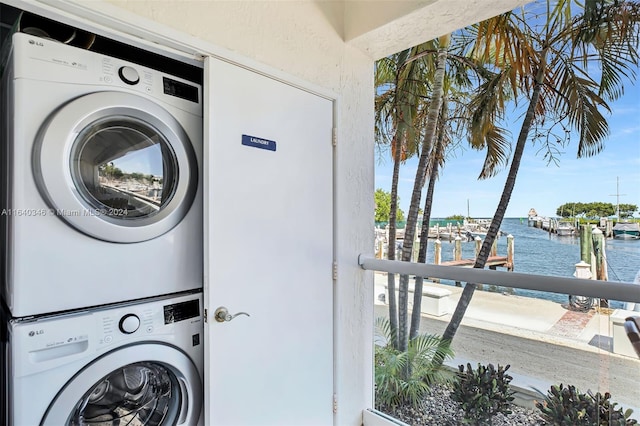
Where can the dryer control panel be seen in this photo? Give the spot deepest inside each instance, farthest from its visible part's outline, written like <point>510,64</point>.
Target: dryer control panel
<point>83,67</point>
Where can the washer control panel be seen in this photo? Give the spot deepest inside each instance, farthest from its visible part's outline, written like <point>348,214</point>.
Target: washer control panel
<point>55,340</point>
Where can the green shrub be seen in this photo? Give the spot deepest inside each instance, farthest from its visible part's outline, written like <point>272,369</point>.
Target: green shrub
<point>482,393</point>
<point>566,406</point>
<point>403,378</point>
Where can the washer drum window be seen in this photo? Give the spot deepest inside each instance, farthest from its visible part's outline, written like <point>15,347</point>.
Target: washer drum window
<point>116,166</point>
<point>143,385</point>
<point>144,394</point>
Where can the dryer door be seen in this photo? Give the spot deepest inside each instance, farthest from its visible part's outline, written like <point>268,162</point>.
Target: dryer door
<point>116,166</point>
<point>146,385</point>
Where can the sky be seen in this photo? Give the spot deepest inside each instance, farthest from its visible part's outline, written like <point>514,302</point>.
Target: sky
<point>146,161</point>
<point>539,185</point>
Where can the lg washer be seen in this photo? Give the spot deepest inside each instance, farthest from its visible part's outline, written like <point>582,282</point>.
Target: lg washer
<point>129,364</point>
<point>102,193</point>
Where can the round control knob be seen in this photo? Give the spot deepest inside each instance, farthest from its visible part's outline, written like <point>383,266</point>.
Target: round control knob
<point>129,323</point>
<point>129,75</point>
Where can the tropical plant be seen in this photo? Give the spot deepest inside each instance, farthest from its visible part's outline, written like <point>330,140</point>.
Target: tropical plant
<point>482,393</point>
<point>400,86</point>
<point>446,73</point>
<point>566,406</point>
<point>451,123</point>
<point>410,96</point>
<point>404,377</point>
<point>546,66</point>
<point>436,160</point>
<point>433,114</point>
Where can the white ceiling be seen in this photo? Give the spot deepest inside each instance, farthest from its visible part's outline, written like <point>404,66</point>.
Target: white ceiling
<point>383,27</point>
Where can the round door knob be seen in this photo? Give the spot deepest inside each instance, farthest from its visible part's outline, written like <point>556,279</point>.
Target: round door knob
<point>129,75</point>
<point>129,323</point>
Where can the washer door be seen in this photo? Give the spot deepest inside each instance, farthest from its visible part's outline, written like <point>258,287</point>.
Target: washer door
<point>144,385</point>
<point>116,166</point>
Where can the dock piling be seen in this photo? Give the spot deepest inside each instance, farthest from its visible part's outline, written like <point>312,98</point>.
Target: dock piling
<point>457,254</point>
<point>494,248</point>
<point>601,262</point>
<point>510,252</point>
<point>457,248</point>
<point>586,247</point>
<point>437,254</point>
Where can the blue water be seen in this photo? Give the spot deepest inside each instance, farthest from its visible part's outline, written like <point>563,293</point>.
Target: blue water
<point>538,252</point>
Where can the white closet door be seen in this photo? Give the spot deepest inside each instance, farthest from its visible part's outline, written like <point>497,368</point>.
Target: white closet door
<point>268,196</point>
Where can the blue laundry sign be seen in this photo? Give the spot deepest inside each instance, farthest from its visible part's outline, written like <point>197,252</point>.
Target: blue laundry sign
<point>257,142</point>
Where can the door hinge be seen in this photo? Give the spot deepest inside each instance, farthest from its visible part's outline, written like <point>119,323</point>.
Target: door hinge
<point>335,403</point>
<point>334,137</point>
<point>335,270</point>
<point>205,314</point>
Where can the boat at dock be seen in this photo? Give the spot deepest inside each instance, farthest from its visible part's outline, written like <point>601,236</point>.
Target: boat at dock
<point>565,229</point>
<point>626,230</point>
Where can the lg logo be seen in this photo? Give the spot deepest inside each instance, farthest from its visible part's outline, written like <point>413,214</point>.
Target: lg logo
<point>35,333</point>
<point>37,43</point>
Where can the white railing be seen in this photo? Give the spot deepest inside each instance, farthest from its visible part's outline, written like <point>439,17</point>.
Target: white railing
<point>610,290</point>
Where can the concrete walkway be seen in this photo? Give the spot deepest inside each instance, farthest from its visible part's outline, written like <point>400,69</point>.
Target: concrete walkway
<point>544,343</point>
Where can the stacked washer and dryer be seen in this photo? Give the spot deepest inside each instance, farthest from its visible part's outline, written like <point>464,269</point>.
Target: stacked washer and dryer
<point>102,317</point>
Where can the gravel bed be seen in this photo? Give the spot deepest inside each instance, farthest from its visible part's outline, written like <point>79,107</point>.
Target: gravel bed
<point>438,409</point>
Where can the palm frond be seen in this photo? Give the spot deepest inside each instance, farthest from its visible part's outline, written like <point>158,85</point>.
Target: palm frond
<point>487,107</point>
<point>580,102</point>
<point>498,148</point>
<point>605,36</point>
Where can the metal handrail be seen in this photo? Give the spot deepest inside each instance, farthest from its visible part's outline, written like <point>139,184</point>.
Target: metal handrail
<point>611,290</point>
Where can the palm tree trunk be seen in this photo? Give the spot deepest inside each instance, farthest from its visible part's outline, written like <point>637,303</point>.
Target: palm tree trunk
<point>436,155</point>
<point>412,216</point>
<point>496,222</point>
<point>391,244</point>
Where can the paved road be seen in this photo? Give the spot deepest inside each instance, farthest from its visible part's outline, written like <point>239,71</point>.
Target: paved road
<point>541,363</point>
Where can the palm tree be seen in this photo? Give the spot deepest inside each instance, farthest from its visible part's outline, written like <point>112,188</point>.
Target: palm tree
<point>402,87</point>
<point>436,157</point>
<point>452,71</point>
<point>433,112</point>
<point>547,67</point>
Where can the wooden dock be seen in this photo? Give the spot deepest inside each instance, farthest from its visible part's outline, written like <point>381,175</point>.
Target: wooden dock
<point>493,262</point>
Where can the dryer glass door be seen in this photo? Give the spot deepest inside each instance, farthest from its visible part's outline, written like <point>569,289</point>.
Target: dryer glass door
<point>124,168</point>
<point>116,166</point>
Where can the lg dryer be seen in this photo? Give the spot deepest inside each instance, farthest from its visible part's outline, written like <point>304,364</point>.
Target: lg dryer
<point>130,364</point>
<point>102,190</point>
